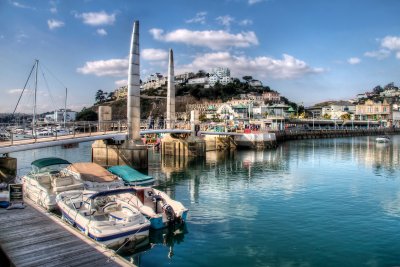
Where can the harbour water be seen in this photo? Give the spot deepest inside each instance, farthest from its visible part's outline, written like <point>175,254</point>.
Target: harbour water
<point>327,202</point>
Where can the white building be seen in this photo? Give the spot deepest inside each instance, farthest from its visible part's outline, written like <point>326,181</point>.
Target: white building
<point>202,80</point>
<point>336,111</point>
<point>154,81</point>
<point>220,75</point>
<point>58,116</point>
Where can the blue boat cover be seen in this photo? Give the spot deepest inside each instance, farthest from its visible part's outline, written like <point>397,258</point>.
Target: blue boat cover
<point>44,162</point>
<point>129,174</point>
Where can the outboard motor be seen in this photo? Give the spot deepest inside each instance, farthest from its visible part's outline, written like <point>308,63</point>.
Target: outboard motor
<point>169,212</point>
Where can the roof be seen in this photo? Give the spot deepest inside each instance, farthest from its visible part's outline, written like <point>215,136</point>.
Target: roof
<point>129,174</point>
<point>92,172</point>
<point>44,162</point>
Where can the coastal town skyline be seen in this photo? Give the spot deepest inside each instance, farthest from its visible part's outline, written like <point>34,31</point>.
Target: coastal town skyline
<point>309,52</point>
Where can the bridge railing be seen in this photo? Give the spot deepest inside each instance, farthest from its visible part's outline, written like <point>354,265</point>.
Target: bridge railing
<point>11,134</point>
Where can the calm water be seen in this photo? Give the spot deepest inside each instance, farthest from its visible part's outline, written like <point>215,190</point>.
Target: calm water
<point>333,202</point>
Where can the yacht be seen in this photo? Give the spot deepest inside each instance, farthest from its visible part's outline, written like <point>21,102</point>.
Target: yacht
<point>382,139</point>
<point>104,216</point>
<point>157,206</point>
<point>48,178</point>
<point>94,177</point>
<point>130,176</point>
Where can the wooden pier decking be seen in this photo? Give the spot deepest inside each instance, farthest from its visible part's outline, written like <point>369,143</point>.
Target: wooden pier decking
<point>32,237</point>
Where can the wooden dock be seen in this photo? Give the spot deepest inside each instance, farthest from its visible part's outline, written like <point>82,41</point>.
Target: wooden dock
<point>32,237</point>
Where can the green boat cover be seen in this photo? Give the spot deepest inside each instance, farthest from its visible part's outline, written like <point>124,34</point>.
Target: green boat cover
<point>44,162</point>
<point>129,174</point>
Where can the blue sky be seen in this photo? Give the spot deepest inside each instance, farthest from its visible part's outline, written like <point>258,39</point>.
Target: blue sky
<point>309,50</point>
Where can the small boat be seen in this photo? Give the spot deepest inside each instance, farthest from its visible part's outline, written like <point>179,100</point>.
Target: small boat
<point>382,139</point>
<point>94,177</point>
<point>48,178</point>
<point>157,206</point>
<point>4,136</point>
<point>131,176</point>
<point>104,216</point>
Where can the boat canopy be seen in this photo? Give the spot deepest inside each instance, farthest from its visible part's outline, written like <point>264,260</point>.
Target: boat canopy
<point>113,192</point>
<point>129,174</point>
<point>92,172</point>
<point>44,162</point>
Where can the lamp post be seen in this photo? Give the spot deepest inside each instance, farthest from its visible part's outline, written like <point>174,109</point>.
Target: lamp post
<point>312,119</point>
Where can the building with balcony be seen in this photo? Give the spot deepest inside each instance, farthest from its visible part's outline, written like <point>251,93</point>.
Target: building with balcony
<point>374,111</point>
<point>155,81</point>
<point>336,111</point>
<point>273,97</point>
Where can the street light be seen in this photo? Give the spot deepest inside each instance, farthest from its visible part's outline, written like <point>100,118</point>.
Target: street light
<point>312,119</point>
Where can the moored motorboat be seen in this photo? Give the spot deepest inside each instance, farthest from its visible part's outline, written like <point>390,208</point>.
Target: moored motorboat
<point>382,139</point>
<point>104,216</point>
<point>157,206</point>
<point>94,176</point>
<point>46,180</point>
<point>131,176</point>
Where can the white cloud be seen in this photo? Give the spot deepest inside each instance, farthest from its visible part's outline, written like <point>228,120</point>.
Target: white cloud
<point>388,44</point>
<point>154,54</point>
<point>246,22</point>
<point>262,67</point>
<point>97,18</point>
<point>252,2</point>
<point>379,54</point>
<point>19,5</point>
<point>391,42</point>
<point>54,24</point>
<point>53,8</point>
<point>15,91</point>
<point>120,83</point>
<point>212,39</point>
<point>353,60</point>
<point>199,18</point>
<point>101,32</point>
<point>111,67</point>
<point>225,20</point>
<point>21,37</point>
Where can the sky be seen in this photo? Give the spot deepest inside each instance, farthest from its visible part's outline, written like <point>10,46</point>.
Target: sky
<point>308,50</point>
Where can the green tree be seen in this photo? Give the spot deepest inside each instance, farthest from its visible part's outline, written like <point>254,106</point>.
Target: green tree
<point>86,115</point>
<point>100,96</point>
<point>247,78</point>
<point>345,116</point>
<point>327,116</point>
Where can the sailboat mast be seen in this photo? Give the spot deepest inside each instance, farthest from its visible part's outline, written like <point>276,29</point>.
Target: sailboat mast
<point>34,103</point>
<point>65,107</point>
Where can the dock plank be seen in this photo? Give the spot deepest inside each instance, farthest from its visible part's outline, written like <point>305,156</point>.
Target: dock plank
<point>31,237</point>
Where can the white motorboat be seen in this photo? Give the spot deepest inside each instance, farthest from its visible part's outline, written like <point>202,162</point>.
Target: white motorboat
<point>157,206</point>
<point>47,179</point>
<point>4,136</point>
<point>94,177</point>
<point>104,216</point>
<point>382,139</point>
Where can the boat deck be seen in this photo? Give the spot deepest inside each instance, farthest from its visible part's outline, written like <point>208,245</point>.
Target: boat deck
<point>32,237</point>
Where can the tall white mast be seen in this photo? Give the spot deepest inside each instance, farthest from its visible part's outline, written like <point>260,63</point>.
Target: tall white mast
<point>34,101</point>
<point>65,107</point>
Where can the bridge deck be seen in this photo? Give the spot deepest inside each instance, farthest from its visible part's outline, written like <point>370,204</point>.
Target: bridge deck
<point>30,237</point>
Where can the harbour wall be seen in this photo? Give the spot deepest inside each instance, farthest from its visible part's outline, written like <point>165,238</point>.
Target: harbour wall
<point>317,134</point>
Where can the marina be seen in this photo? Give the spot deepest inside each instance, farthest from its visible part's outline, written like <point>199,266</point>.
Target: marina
<point>288,205</point>
<point>217,141</point>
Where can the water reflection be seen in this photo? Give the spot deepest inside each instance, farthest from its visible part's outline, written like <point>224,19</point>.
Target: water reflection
<point>164,239</point>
